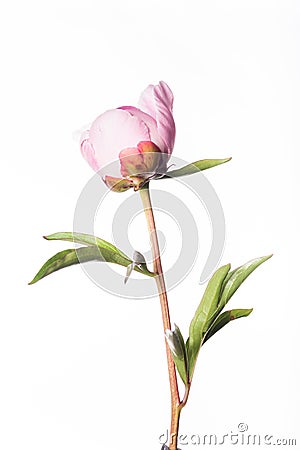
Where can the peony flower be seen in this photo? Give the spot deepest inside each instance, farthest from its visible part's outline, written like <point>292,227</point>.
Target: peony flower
<point>139,141</point>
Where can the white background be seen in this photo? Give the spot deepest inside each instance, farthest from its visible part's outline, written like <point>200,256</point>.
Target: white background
<point>81,369</point>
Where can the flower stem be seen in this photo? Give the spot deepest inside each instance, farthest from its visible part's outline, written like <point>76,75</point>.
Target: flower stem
<point>160,281</point>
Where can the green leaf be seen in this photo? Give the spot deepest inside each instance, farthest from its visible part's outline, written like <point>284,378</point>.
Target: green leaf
<point>73,256</point>
<point>195,167</point>
<point>205,314</point>
<point>104,246</point>
<point>207,320</point>
<point>182,369</point>
<point>224,319</point>
<point>237,277</point>
<point>85,239</point>
<point>66,258</point>
<point>179,353</point>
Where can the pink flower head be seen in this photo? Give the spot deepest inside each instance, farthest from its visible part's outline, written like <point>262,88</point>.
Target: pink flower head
<point>141,140</point>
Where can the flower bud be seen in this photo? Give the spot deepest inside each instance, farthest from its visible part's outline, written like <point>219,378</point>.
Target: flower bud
<point>141,140</point>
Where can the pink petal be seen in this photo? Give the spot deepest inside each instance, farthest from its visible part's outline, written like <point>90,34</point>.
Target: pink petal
<point>147,102</point>
<point>150,123</point>
<point>158,102</point>
<point>88,153</point>
<point>111,132</point>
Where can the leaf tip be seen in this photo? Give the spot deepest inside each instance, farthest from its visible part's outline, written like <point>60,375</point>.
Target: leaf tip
<point>245,313</point>
<point>265,258</point>
<point>228,266</point>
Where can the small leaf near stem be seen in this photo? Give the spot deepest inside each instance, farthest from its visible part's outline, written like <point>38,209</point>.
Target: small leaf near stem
<point>138,261</point>
<point>179,353</point>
